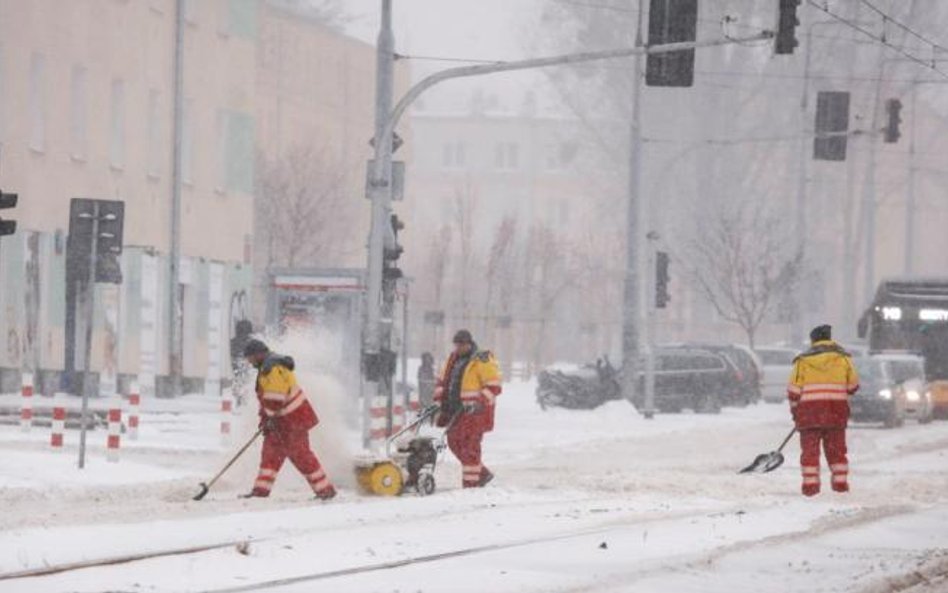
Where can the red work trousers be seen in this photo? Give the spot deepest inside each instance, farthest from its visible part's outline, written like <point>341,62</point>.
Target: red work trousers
<point>834,445</point>
<point>464,440</point>
<point>277,446</point>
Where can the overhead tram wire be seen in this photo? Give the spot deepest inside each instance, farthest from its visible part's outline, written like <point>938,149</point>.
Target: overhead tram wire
<point>930,64</point>
<point>903,26</point>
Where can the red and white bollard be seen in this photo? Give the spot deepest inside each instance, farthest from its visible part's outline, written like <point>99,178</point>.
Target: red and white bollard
<point>115,431</point>
<point>398,415</point>
<point>59,426</point>
<point>134,408</point>
<point>26,405</point>
<point>227,414</point>
<point>378,423</point>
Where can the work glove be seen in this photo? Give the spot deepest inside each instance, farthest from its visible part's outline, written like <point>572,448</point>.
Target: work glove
<point>473,408</point>
<point>267,425</point>
<point>442,419</point>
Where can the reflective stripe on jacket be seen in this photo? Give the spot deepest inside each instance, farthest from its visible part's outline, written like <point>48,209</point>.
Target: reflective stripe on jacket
<point>822,380</point>
<point>480,386</point>
<point>282,399</point>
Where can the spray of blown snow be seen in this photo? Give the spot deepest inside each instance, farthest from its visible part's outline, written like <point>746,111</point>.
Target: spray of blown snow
<point>318,368</point>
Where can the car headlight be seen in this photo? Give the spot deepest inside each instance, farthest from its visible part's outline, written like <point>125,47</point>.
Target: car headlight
<point>885,394</point>
<point>913,396</point>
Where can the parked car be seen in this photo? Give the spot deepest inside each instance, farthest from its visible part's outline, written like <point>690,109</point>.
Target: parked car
<point>583,388</point>
<point>692,378</point>
<point>745,372</point>
<point>777,365</point>
<point>892,388</point>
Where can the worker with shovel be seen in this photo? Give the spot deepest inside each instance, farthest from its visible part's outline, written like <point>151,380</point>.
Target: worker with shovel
<point>286,417</point>
<point>821,383</point>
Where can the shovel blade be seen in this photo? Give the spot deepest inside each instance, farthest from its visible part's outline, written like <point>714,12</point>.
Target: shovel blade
<point>764,463</point>
<point>202,493</point>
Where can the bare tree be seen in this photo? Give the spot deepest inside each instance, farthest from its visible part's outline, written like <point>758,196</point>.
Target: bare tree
<point>743,262</point>
<point>465,221</point>
<point>301,207</point>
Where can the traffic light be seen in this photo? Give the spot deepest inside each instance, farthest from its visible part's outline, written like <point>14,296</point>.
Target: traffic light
<point>392,251</point>
<point>832,125</point>
<point>101,221</point>
<point>786,38</point>
<point>7,227</point>
<point>893,109</point>
<point>662,262</point>
<point>671,21</point>
<point>109,242</point>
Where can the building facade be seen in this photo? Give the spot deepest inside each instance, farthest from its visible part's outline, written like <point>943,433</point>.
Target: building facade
<point>87,110</point>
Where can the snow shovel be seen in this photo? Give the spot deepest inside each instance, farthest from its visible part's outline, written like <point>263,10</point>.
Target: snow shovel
<point>206,486</point>
<point>768,462</point>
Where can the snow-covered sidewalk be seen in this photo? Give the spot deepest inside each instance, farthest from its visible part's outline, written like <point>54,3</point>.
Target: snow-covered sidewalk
<point>602,500</point>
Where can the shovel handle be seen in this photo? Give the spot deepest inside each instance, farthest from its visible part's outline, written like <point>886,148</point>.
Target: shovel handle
<point>787,440</point>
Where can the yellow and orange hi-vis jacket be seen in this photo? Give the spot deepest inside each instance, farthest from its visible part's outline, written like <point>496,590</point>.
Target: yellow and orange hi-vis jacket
<point>281,398</point>
<point>821,383</point>
<point>480,386</point>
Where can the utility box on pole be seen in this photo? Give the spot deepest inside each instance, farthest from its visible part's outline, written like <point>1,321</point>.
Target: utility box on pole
<point>832,124</point>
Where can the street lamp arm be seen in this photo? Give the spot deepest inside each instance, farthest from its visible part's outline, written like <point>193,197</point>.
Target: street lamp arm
<point>577,58</point>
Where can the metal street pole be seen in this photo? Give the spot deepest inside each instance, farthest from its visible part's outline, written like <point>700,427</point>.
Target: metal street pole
<point>88,314</point>
<point>174,256</point>
<point>633,313</point>
<point>908,266</point>
<point>378,388</point>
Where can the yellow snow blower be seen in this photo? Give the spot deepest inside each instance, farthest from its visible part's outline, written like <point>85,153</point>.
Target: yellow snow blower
<point>410,466</point>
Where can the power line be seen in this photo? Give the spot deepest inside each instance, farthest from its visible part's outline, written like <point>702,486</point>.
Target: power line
<point>886,18</point>
<point>872,35</point>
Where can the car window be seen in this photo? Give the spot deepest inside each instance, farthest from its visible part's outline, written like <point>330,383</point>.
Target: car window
<point>776,357</point>
<point>707,363</point>
<point>870,370</point>
<point>901,371</point>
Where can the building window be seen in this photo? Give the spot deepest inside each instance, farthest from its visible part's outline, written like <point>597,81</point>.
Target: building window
<point>452,155</point>
<point>220,152</point>
<point>117,136</point>
<point>187,141</point>
<point>153,124</point>
<point>38,102</point>
<point>3,90</point>
<point>241,19</point>
<point>190,12</point>
<point>77,108</point>
<point>239,163</point>
<point>506,156</point>
<point>560,156</point>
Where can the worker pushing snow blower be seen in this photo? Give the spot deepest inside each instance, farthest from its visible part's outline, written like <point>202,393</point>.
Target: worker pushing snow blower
<point>409,462</point>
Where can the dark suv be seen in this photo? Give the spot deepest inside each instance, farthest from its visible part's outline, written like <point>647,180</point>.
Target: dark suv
<point>693,378</point>
<point>745,375</point>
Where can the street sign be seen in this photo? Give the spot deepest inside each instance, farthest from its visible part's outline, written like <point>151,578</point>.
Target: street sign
<point>396,142</point>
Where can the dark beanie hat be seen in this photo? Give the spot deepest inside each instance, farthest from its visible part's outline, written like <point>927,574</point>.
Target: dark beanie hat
<point>255,347</point>
<point>822,332</point>
<point>463,337</point>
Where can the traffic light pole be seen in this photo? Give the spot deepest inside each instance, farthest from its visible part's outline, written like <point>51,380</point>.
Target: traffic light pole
<point>634,314</point>
<point>376,339</point>
<point>377,332</point>
<point>88,306</point>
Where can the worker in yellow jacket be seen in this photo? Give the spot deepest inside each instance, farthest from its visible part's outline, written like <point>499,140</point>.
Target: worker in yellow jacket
<point>821,383</point>
<point>467,392</point>
<point>286,418</point>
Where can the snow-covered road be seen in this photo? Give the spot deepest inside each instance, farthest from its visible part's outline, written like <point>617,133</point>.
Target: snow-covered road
<point>583,501</point>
